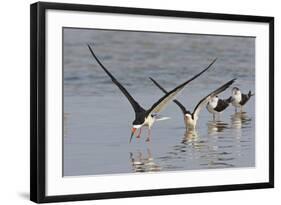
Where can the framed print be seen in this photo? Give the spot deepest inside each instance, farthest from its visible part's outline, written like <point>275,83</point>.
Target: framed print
<point>129,102</point>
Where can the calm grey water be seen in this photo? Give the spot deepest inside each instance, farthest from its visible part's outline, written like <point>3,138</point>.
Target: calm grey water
<point>97,117</point>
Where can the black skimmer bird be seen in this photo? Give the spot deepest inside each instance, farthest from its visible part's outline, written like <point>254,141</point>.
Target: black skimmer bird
<point>146,117</point>
<point>191,118</point>
<point>238,99</point>
<point>216,105</point>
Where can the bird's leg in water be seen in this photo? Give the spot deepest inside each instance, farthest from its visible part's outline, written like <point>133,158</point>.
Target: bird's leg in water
<point>214,117</point>
<point>185,123</point>
<point>148,137</point>
<point>235,109</point>
<point>138,136</point>
<point>241,109</point>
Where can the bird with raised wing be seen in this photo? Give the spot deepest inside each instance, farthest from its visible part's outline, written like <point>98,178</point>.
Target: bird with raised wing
<point>238,99</point>
<point>146,117</point>
<point>190,119</point>
<point>217,105</point>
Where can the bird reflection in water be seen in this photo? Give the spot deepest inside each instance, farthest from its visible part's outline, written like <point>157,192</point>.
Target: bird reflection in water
<point>240,120</point>
<point>143,162</point>
<point>190,136</point>
<point>216,126</point>
<point>192,139</point>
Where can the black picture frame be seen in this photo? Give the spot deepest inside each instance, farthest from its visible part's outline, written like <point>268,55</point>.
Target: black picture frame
<point>38,101</point>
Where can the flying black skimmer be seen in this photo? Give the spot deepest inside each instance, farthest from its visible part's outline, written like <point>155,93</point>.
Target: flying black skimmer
<point>216,105</point>
<point>191,118</point>
<point>146,117</point>
<point>238,99</point>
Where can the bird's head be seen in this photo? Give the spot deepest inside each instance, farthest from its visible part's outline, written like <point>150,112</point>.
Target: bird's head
<point>214,99</point>
<point>188,114</point>
<point>235,91</point>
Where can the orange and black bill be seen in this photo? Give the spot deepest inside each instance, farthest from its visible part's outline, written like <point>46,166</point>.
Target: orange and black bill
<point>132,134</point>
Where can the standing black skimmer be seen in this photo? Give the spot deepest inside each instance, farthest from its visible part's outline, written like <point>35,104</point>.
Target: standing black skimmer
<point>238,99</point>
<point>216,105</point>
<point>147,117</point>
<point>191,118</point>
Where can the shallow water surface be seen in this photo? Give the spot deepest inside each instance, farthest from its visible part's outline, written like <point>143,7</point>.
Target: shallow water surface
<point>97,117</point>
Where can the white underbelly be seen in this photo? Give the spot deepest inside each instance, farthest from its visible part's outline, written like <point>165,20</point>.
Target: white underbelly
<point>190,124</point>
<point>211,109</point>
<point>149,121</point>
<point>236,103</point>
<point>236,100</point>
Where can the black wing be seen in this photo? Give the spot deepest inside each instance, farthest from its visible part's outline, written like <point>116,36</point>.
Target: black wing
<point>168,97</point>
<point>183,109</point>
<point>134,103</point>
<point>222,105</point>
<point>245,98</point>
<point>205,100</point>
<point>229,100</point>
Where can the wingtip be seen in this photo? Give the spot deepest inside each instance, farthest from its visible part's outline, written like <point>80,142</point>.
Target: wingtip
<point>212,63</point>
<point>89,47</point>
<point>250,93</point>
<point>152,79</point>
<point>233,80</point>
